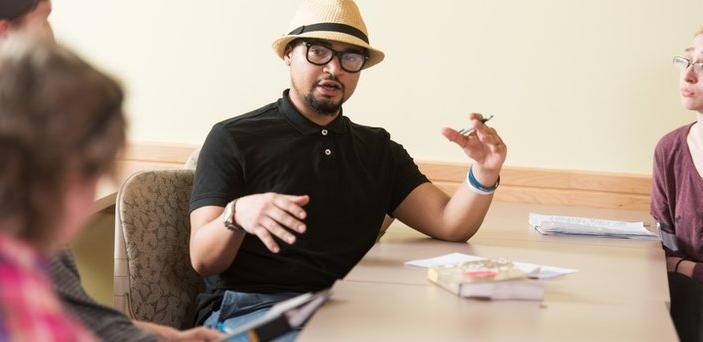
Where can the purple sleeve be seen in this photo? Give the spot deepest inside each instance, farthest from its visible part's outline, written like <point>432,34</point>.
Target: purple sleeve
<point>660,207</point>
<point>663,194</point>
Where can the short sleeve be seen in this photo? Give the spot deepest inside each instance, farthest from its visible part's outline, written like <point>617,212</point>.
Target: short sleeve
<point>219,176</point>
<point>406,175</point>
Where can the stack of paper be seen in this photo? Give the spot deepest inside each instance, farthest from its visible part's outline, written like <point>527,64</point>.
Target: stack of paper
<point>567,225</point>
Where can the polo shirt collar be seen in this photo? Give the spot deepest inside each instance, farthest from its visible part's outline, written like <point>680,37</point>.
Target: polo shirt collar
<point>339,125</point>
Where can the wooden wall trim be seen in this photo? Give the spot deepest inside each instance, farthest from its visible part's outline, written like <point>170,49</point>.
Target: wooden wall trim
<point>518,184</point>
<point>157,152</point>
<point>547,178</point>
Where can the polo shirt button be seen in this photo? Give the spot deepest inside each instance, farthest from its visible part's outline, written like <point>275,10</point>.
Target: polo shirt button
<point>328,152</point>
<point>324,132</point>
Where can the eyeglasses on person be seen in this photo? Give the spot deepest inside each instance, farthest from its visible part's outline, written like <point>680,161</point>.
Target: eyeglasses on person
<point>684,63</point>
<point>319,54</point>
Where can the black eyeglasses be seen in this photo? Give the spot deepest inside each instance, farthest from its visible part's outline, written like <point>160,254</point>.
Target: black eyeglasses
<point>350,61</point>
<point>684,63</point>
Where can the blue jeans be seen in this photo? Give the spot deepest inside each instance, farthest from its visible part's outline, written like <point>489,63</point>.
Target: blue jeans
<point>238,308</point>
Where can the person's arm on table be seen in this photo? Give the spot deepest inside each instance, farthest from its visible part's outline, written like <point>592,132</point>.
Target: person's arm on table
<point>429,210</point>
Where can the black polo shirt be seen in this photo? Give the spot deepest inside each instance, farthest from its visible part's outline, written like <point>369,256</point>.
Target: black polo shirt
<point>353,174</point>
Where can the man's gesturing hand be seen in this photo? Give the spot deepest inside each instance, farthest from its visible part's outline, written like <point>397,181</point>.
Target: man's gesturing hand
<point>270,214</point>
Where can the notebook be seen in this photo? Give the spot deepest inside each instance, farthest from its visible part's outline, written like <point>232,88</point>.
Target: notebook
<point>282,318</point>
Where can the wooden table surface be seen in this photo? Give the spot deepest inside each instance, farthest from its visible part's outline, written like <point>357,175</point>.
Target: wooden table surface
<point>619,294</point>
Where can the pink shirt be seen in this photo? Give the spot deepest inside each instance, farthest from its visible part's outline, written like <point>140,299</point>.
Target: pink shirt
<point>29,309</point>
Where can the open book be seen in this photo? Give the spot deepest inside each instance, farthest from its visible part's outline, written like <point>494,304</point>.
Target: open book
<point>282,318</point>
<point>487,279</point>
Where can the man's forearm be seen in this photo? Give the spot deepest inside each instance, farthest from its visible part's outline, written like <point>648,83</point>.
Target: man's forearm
<point>213,247</point>
<point>464,213</point>
<point>466,209</point>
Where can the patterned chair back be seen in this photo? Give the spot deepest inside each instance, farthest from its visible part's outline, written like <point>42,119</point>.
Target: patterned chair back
<point>153,277</point>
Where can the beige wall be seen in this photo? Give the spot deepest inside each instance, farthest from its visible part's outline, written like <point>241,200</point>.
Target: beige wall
<point>584,85</point>
<point>92,250</point>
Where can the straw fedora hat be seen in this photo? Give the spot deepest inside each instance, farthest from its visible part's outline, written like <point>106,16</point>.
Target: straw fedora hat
<point>335,20</point>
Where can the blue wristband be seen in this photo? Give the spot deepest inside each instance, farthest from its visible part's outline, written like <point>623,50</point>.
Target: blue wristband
<point>474,183</point>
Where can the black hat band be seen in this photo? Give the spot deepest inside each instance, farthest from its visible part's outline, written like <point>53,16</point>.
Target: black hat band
<point>334,27</point>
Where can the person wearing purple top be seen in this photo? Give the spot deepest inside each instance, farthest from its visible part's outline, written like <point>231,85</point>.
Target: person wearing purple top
<point>677,199</point>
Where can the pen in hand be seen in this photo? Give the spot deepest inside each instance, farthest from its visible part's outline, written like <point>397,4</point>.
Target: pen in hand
<point>467,131</point>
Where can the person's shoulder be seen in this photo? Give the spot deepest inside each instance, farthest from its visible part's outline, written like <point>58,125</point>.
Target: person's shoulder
<point>370,131</point>
<point>63,264</point>
<point>253,117</point>
<point>673,140</point>
<point>242,126</point>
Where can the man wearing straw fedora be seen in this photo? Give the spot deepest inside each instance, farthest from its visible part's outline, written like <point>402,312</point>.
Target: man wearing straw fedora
<point>289,197</point>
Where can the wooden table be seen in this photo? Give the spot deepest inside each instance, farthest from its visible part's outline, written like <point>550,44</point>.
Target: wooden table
<point>105,195</point>
<point>620,292</point>
<point>363,311</point>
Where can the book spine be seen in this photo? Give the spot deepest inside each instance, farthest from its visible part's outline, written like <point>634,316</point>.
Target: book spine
<point>270,330</point>
<point>436,277</point>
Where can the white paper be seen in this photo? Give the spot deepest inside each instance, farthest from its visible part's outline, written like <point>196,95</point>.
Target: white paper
<point>448,259</point>
<point>532,270</point>
<point>569,225</point>
<point>543,272</point>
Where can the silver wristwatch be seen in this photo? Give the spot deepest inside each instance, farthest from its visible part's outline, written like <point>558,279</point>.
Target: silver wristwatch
<point>228,218</point>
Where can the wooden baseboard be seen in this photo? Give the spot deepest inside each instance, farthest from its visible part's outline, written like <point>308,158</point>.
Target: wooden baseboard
<point>157,152</point>
<point>558,187</point>
<point>518,184</point>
